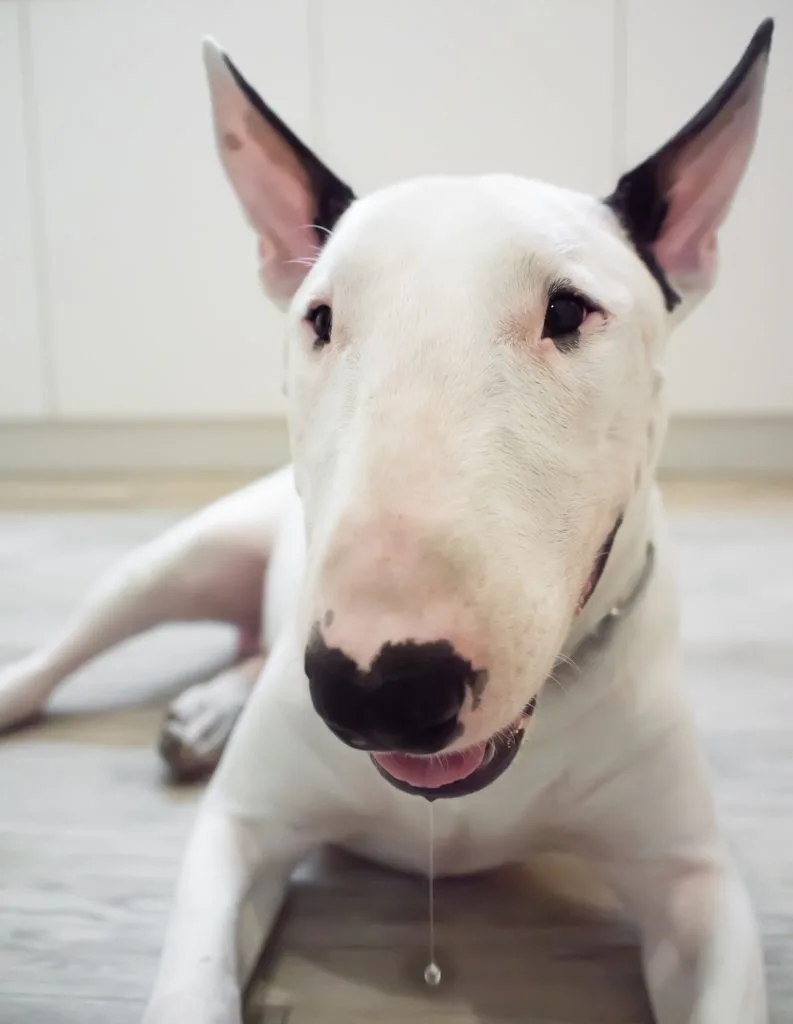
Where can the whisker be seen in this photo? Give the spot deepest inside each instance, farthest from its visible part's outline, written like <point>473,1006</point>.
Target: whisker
<point>565,659</point>
<point>303,261</point>
<point>552,678</point>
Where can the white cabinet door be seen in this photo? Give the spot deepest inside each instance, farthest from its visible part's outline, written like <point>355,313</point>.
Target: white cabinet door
<point>21,370</point>
<point>156,311</point>
<point>734,355</point>
<point>520,86</point>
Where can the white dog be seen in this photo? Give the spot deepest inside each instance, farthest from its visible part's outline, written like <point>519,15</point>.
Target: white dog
<point>476,396</point>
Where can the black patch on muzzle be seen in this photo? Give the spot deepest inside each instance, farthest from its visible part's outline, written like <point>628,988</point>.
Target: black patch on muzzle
<point>408,701</point>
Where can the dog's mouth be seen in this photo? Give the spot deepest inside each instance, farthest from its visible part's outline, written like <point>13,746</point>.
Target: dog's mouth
<point>458,772</point>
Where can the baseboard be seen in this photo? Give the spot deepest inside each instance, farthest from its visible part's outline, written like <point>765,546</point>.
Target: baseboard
<point>730,446</point>
<point>244,447</point>
<point>739,446</point>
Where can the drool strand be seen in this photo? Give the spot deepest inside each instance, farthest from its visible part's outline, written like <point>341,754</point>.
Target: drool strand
<point>432,973</point>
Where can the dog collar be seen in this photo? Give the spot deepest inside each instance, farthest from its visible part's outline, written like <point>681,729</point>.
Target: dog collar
<point>604,627</point>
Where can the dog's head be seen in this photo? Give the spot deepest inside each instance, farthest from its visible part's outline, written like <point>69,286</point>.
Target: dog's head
<point>473,371</point>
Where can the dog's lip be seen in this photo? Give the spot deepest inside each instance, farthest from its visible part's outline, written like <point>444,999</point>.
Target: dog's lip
<point>433,772</point>
<point>458,773</point>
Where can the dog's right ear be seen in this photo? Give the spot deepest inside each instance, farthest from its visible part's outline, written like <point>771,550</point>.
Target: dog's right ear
<point>674,203</point>
<point>289,196</point>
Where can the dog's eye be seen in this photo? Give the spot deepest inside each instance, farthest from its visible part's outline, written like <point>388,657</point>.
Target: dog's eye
<point>565,313</point>
<point>321,319</point>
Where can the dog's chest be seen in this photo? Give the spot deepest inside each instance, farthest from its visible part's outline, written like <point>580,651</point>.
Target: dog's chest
<point>470,834</point>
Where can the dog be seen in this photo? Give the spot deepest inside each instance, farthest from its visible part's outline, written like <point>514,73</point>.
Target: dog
<point>474,373</point>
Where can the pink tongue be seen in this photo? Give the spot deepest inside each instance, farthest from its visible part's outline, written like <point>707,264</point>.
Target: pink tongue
<point>435,771</point>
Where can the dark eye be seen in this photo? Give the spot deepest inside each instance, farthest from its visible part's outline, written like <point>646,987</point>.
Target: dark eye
<point>565,313</point>
<point>321,319</point>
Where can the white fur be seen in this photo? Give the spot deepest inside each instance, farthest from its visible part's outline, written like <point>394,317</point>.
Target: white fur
<point>457,475</point>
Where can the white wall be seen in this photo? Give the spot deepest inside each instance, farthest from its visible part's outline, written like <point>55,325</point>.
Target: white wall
<point>153,308</point>
<point>127,277</point>
<point>23,373</point>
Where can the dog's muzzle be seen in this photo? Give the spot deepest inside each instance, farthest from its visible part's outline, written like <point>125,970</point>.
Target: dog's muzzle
<point>405,709</point>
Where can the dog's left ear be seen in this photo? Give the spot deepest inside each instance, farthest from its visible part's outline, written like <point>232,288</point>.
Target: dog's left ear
<point>289,196</point>
<point>673,204</point>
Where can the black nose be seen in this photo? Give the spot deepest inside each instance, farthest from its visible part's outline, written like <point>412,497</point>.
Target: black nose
<point>409,700</point>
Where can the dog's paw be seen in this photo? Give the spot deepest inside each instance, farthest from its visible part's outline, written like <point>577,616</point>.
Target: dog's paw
<point>199,723</point>
<point>23,693</point>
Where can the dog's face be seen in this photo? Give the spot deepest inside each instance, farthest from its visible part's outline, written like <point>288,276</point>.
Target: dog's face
<point>473,369</point>
<point>468,437</point>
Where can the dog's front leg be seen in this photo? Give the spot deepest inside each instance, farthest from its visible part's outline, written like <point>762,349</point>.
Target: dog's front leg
<point>285,785</point>
<point>656,840</point>
<point>700,945</point>
<point>230,889</point>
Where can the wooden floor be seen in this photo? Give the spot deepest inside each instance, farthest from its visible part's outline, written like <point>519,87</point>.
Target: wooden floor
<point>90,831</point>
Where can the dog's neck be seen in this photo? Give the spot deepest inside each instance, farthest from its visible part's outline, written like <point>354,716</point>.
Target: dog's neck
<point>626,573</point>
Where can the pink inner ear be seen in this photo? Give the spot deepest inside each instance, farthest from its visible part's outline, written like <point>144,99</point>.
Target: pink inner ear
<point>271,184</point>
<point>275,193</point>
<point>704,177</point>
